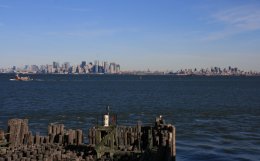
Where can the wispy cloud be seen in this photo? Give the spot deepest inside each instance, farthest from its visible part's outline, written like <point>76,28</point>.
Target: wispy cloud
<point>246,17</point>
<point>4,6</point>
<point>235,20</point>
<point>93,32</point>
<point>73,9</point>
<point>78,9</point>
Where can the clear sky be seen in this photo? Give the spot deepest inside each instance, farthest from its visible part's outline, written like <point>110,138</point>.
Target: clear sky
<point>137,34</point>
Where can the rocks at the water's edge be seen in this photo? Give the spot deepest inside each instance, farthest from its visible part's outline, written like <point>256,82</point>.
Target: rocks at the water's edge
<point>107,142</point>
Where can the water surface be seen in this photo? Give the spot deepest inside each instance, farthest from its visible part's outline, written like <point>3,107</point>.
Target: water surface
<point>216,118</point>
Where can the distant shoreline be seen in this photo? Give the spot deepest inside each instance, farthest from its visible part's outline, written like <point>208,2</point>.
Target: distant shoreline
<point>143,74</point>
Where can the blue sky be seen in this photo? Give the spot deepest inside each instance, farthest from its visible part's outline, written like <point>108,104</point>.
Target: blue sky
<point>138,34</point>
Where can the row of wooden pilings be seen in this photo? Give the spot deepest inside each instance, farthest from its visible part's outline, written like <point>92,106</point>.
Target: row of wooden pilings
<point>24,146</point>
<point>45,152</point>
<point>136,139</point>
<point>122,136</point>
<point>18,133</point>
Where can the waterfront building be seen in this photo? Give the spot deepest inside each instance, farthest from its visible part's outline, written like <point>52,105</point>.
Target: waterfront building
<point>106,67</point>
<point>66,66</point>
<point>89,67</point>
<point>118,68</point>
<point>112,68</point>
<point>71,70</point>
<point>96,64</point>
<point>49,69</point>
<point>55,65</point>
<point>77,69</point>
<point>34,69</point>
<point>83,64</point>
<point>43,69</point>
<point>14,68</point>
<point>85,69</point>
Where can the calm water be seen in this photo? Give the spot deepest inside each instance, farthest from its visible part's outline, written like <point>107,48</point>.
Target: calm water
<point>217,118</point>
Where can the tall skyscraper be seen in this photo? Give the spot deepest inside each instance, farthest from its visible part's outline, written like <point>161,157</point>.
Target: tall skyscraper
<point>49,69</point>
<point>55,65</point>
<point>83,64</point>
<point>112,68</point>
<point>67,65</point>
<point>106,67</point>
<point>117,68</point>
<point>96,64</point>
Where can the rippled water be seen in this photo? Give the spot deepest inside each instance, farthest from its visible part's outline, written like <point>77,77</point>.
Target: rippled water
<point>216,118</point>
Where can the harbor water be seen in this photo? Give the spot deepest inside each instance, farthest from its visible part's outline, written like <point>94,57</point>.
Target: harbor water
<point>216,118</point>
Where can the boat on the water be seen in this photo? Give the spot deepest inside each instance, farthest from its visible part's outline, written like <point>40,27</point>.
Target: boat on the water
<point>18,78</point>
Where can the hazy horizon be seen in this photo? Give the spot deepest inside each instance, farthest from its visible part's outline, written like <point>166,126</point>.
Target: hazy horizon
<point>138,35</point>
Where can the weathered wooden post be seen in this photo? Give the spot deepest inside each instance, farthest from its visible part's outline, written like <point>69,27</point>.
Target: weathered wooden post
<point>71,136</point>
<point>17,129</point>
<point>62,129</point>
<point>49,129</point>
<point>79,137</point>
<point>37,139</point>
<point>173,144</point>
<point>139,134</point>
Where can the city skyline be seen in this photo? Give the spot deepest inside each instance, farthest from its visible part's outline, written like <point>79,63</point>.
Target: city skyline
<point>105,67</point>
<point>96,67</point>
<point>141,35</point>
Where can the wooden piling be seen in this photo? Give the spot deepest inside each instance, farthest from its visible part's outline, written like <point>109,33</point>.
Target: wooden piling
<point>79,137</point>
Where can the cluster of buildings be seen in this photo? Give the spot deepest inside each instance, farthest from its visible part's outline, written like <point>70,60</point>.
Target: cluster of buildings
<point>66,68</point>
<point>217,71</point>
<point>112,68</point>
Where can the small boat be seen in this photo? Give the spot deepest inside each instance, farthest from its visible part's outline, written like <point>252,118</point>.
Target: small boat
<point>18,78</point>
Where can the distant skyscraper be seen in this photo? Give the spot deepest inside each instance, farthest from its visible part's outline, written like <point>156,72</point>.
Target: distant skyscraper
<point>34,68</point>
<point>49,69</point>
<point>102,64</point>
<point>55,65</point>
<point>106,67</point>
<point>43,69</point>
<point>78,69</point>
<point>26,67</point>
<point>117,68</point>
<point>96,64</point>
<point>112,68</point>
<point>66,66</point>
<point>83,64</point>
